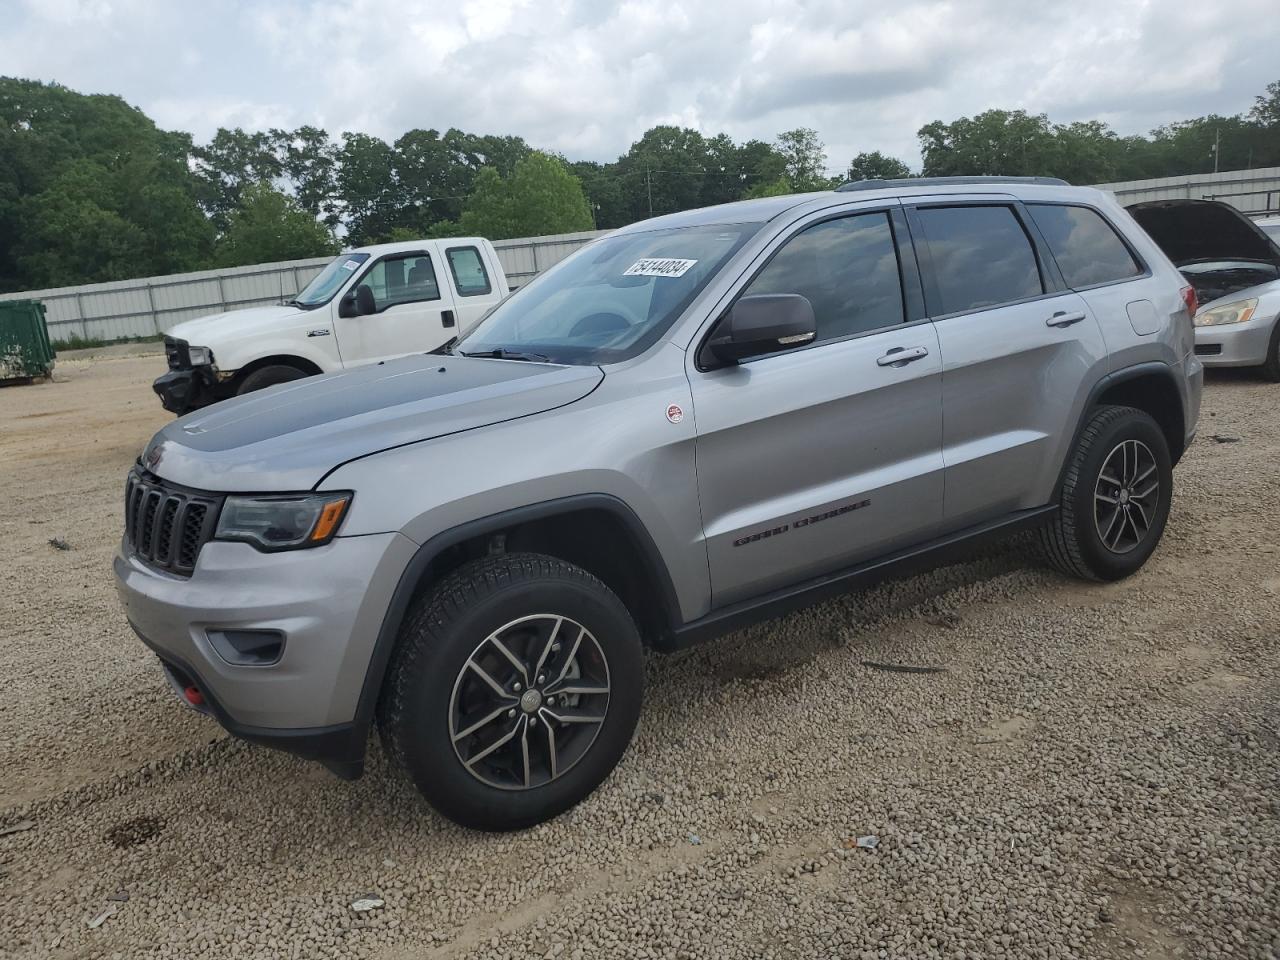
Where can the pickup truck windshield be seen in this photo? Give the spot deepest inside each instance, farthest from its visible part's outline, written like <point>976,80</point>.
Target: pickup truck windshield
<point>329,281</point>
<point>610,301</point>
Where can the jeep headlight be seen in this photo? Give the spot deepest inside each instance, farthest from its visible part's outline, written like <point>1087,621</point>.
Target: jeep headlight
<point>1237,312</point>
<point>283,521</point>
<point>199,356</point>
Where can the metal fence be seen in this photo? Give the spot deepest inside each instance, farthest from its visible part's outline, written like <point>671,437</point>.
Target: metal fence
<point>1255,192</point>
<point>151,305</point>
<point>146,307</point>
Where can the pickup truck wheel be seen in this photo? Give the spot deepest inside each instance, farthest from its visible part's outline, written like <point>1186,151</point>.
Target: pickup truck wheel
<point>1115,497</point>
<point>268,377</point>
<point>513,691</point>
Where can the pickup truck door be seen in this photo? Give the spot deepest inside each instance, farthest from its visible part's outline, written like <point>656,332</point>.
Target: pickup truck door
<point>472,284</point>
<point>414,310</point>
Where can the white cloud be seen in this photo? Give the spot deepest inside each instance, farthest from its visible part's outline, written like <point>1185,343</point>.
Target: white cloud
<point>586,77</point>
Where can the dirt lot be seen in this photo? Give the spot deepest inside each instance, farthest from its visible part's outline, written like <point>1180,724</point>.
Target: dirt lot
<point>1095,774</point>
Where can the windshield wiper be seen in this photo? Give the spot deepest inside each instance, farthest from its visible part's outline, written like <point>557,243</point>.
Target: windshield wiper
<point>500,353</point>
<point>446,347</point>
<point>295,302</point>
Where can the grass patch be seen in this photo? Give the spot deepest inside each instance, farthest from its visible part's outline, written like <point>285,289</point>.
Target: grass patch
<point>75,342</point>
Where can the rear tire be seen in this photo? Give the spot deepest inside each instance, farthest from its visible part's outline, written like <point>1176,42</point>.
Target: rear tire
<point>1271,368</point>
<point>1115,497</point>
<point>514,690</point>
<point>268,377</point>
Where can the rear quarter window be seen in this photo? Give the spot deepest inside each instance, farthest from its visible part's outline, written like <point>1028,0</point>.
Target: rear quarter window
<point>1087,248</point>
<point>469,274</point>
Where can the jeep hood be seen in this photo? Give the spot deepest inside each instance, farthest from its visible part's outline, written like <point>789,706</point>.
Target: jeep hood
<point>1203,230</point>
<point>286,438</point>
<point>233,324</point>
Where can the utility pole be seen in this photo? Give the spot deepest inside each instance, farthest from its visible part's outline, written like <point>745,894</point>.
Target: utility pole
<point>648,182</point>
<point>1217,142</point>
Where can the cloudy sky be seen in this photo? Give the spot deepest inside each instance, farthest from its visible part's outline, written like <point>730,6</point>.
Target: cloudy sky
<point>586,77</point>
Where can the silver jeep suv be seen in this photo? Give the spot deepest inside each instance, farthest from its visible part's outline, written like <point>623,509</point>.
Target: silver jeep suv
<point>696,422</point>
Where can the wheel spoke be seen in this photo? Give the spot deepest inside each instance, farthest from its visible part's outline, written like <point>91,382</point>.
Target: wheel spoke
<point>582,689</point>
<point>573,653</point>
<point>1124,518</point>
<point>1145,473</point>
<point>1105,499</point>
<point>1155,485</point>
<point>551,749</point>
<point>1119,511</point>
<point>572,716</point>
<point>1109,478</point>
<point>546,650</point>
<point>502,740</point>
<point>524,751</point>
<point>494,685</point>
<point>1146,524</point>
<point>483,721</point>
<point>515,661</point>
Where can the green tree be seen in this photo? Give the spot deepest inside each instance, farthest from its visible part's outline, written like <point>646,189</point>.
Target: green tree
<point>805,159</point>
<point>770,188</point>
<point>540,197</point>
<point>1266,107</point>
<point>994,143</point>
<point>91,190</point>
<point>232,161</point>
<point>877,166</point>
<point>310,163</point>
<point>270,226</point>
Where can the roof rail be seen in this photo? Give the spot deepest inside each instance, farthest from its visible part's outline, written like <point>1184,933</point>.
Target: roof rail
<point>855,185</point>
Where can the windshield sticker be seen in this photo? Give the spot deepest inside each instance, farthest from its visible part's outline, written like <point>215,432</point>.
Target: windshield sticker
<point>659,267</point>
<point>351,265</point>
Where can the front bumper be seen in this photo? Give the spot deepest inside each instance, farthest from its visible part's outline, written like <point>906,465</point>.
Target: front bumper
<point>181,391</point>
<point>1235,344</point>
<point>327,602</point>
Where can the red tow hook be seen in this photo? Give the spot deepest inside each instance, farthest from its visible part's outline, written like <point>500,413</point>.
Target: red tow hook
<point>194,696</point>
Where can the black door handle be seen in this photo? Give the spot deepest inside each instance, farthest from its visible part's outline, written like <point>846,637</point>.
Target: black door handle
<point>447,318</point>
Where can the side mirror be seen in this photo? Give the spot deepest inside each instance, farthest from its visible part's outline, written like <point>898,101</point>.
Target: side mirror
<point>763,323</point>
<point>347,306</point>
<point>364,300</point>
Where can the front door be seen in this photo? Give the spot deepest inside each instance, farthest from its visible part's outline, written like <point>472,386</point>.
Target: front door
<point>816,458</point>
<point>413,311</point>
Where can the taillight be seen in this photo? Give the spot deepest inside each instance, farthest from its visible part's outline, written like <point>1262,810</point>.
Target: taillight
<point>1191,300</point>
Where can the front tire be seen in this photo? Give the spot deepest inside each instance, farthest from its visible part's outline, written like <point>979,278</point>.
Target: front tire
<point>514,690</point>
<point>1115,497</point>
<point>268,377</point>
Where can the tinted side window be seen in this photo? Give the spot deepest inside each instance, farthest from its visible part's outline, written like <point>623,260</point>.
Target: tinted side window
<point>981,257</point>
<point>469,274</point>
<point>1087,248</point>
<point>402,280</point>
<point>848,269</point>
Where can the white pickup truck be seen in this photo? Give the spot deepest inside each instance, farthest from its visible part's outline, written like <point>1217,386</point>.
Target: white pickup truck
<point>371,304</point>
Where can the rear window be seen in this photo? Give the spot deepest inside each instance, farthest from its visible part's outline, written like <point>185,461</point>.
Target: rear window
<point>981,257</point>
<point>469,274</point>
<point>1087,248</point>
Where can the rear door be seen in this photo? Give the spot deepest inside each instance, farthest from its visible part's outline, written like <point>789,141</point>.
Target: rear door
<point>816,458</point>
<point>1019,353</point>
<point>415,310</point>
<point>475,289</point>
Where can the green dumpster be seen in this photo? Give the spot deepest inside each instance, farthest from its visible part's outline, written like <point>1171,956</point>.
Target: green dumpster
<point>25,351</point>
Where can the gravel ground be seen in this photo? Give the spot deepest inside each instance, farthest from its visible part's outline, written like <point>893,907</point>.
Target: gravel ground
<point>1095,773</point>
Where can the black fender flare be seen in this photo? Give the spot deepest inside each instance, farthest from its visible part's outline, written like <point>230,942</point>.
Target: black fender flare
<point>411,579</point>
<point>1112,379</point>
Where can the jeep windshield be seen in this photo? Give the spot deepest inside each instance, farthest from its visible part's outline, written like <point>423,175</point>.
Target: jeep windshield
<point>610,301</point>
<point>329,281</point>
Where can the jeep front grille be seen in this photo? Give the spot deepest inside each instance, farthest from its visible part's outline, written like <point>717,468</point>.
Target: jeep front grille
<point>167,526</point>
